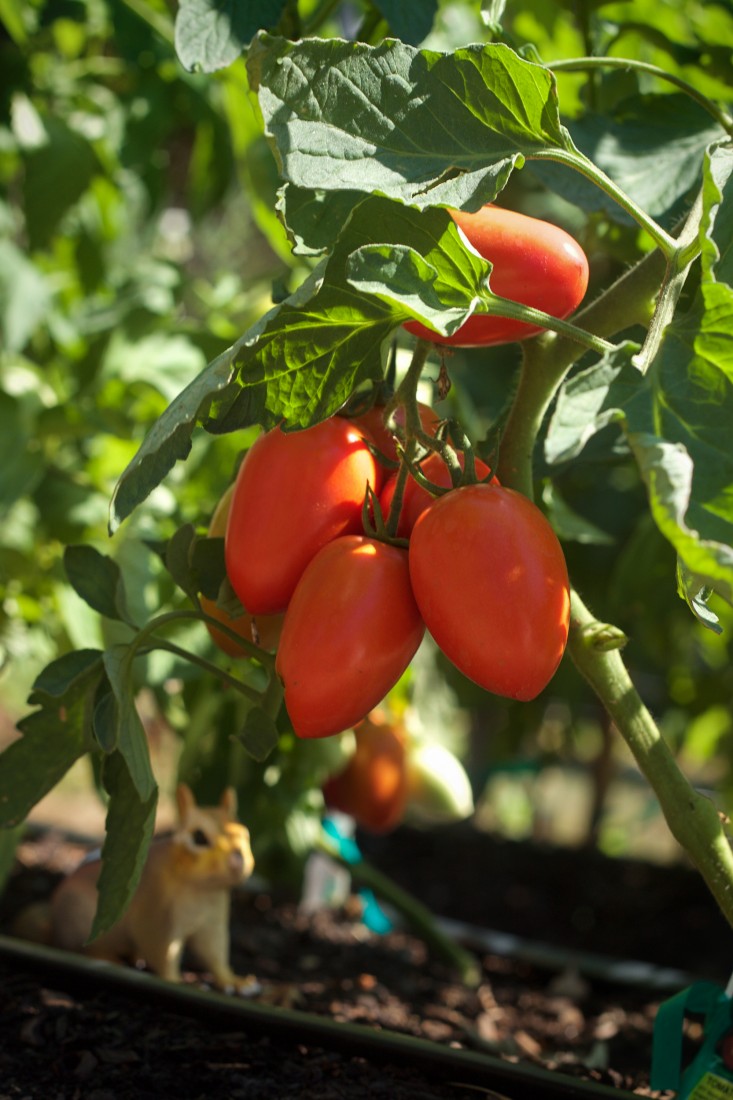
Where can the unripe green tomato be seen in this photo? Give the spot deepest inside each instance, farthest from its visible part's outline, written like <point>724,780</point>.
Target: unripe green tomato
<point>438,789</point>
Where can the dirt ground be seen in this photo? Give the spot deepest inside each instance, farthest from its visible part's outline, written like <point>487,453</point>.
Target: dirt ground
<point>566,1014</point>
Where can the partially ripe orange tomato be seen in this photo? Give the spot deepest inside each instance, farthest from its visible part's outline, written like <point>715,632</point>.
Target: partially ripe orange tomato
<point>415,499</point>
<point>265,628</point>
<point>534,262</point>
<point>373,785</point>
<point>294,493</point>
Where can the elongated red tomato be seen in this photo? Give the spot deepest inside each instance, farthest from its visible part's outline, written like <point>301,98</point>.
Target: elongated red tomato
<point>534,262</point>
<point>415,499</point>
<point>294,493</point>
<point>350,631</point>
<point>490,579</point>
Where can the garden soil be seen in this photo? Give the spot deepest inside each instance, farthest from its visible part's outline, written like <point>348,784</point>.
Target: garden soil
<point>551,1002</point>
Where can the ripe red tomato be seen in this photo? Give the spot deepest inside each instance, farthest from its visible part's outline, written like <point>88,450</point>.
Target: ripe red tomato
<point>350,631</point>
<point>294,493</point>
<point>535,263</point>
<point>372,424</point>
<point>490,579</point>
<point>415,499</point>
<point>266,627</point>
<point>373,785</point>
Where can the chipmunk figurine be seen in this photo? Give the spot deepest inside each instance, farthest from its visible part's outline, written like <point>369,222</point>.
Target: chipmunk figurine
<point>182,898</point>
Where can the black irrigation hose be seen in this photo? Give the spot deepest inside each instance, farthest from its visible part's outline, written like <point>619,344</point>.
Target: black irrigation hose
<point>510,1081</point>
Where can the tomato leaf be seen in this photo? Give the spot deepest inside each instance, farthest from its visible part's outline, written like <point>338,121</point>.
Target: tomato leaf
<point>98,580</point>
<point>178,560</point>
<point>53,737</point>
<point>716,230</point>
<point>62,675</point>
<point>129,828</point>
<point>130,735</point>
<point>259,734</point>
<point>211,34</point>
<point>104,718</point>
<point>676,419</point>
<point>419,126</point>
<point>207,561</point>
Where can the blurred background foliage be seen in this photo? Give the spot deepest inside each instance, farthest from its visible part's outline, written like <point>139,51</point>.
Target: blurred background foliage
<point>138,239</point>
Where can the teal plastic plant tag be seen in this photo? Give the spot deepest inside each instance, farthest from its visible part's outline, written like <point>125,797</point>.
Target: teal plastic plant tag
<point>710,1075</point>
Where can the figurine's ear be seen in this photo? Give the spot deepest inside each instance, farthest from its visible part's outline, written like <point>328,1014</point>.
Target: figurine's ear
<point>184,800</point>
<point>228,802</point>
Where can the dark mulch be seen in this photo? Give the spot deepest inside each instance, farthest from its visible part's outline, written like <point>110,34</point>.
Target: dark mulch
<point>59,1043</point>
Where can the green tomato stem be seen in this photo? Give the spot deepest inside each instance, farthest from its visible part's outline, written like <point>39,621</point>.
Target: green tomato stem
<point>504,307</point>
<point>417,915</point>
<point>548,358</point>
<point>243,689</point>
<point>692,819</point>
<point>581,64</point>
<point>591,171</point>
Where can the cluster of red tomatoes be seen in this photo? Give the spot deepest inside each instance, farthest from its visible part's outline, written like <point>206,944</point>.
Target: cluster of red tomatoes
<point>484,572</point>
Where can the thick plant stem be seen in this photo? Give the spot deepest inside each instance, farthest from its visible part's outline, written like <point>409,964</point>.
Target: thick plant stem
<point>692,818</point>
<point>548,358</point>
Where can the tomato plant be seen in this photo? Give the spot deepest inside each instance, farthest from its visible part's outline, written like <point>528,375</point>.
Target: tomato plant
<point>350,631</point>
<point>619,414</point>
<point>534,262</point>
<point>294,492</point>
<point>265,630</point>
<point>372,788</point>
<point>500,608</point>
<point>416,498</point>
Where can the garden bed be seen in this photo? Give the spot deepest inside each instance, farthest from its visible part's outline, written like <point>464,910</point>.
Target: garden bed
<point>360,1014</point>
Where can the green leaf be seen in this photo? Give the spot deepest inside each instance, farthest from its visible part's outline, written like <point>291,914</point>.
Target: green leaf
<point>677,420</point>
<point>64,674</point>
<point>178,560</point>
<point>169,440</point>
<point>105,721</point>
<point>211,34</point>
<point>130,735</point>
<point>53,737</point>
<point>98,580</point>
<point>207,560</point>
<point>129,829</point>
<point>259,734</point>
<point>419,126</point>
<point>410,21</point>
<point>696,594</point>
<point>716,228</point>
<point>315,218</point>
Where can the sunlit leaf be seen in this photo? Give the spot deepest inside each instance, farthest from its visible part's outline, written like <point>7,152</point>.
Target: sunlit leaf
<point>211,34</point>
<point>419,126</point>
